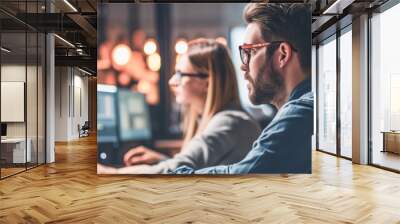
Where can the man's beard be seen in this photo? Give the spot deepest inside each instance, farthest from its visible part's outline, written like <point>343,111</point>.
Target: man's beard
<point>265,87</point>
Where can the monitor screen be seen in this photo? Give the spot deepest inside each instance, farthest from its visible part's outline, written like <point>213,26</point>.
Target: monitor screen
<point>134,119</point>
<point>3,129</point>
<point>106,117</point>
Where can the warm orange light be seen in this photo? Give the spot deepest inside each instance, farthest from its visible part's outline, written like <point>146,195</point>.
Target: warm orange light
<point>154,62</point>
<point>143,86</point>
<point>178,57</point>
<point>150,47</point>
<point>124,79</point>
<point>152,96</point>
<point>181,46</point>
<point>121,54</point>
<point>103,64</point>
<point>110,79</point>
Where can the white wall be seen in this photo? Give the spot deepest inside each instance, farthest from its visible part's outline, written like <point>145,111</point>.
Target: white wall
<point>62,81</point>
<point>80,94</point>
<point>16,73</point>
<point>71,87</point>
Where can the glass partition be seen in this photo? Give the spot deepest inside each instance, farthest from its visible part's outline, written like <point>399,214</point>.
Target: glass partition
<point>22,90</point>
<point>327,95</point>
<point>31,99</point>
<point>346,93</point>
<point>385,89</point>
<point>14,151</point>
<point>41,96</point>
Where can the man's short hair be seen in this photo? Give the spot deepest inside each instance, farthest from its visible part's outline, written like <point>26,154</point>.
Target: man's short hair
<point>289,22</point>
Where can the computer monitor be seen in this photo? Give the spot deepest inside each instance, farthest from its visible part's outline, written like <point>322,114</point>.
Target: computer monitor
<point>107,119</point>
<point>134,118</point>
<point>3,130</point>
<point>123,122</point>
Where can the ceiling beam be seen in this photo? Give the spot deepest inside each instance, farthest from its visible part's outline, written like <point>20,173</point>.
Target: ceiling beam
<point>86,27</point>
<point>83,61</point>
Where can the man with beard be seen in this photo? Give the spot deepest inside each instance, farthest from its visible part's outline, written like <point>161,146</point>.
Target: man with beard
<point>276,60</point>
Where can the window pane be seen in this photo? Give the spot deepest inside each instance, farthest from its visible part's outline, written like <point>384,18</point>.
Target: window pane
<point>346,94</point>
<point>327,96</point>
<point>385,114</point>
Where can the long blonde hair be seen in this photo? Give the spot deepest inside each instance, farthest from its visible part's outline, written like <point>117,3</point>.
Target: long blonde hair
<point>211,57</point>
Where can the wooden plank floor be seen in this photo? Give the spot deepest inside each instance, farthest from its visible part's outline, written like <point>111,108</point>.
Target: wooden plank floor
<point>10,171</point>
<point>70,191</point>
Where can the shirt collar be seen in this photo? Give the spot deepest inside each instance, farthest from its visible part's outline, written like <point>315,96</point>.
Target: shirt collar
<point>301,89</point>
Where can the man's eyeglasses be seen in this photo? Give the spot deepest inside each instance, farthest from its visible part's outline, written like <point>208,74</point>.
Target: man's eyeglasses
<point>178,75</point>
<point>245,50</point>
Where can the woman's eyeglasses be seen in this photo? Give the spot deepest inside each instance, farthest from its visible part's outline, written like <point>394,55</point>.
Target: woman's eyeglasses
<point>178,75</point>
<point>245,50</point>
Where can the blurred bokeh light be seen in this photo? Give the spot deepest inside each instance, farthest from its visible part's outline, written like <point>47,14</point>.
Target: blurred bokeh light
<point>150,47</point>
<point>121,54</point>
<point>181,46</point>
<point>154,62</point>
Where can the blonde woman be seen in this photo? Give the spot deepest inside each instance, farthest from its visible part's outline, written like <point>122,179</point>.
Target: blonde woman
<point>217,130</point>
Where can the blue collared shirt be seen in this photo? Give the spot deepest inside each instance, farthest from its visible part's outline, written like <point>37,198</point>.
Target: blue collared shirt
<point>284,146</point>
